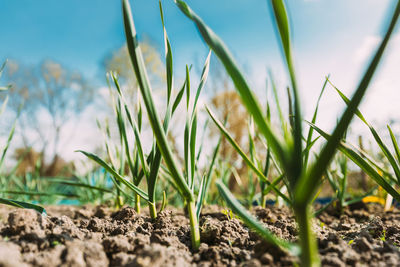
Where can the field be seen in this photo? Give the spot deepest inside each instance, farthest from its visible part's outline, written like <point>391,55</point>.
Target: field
<point>99,236</point>
<point>301,196</point>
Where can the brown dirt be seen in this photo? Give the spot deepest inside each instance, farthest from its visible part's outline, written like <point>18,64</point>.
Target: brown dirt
<point>97,236</point>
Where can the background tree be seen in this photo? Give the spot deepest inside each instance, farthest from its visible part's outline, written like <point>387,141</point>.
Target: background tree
<point>119,61</point>
<point>48,96</point>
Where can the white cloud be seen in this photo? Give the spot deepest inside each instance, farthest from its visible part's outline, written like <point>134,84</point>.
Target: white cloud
<point>368,45</point>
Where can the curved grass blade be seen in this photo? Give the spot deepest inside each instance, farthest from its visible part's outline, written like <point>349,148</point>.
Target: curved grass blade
<point>309,142</point>
<point>282,25</point>
<point>145,89</point>
<point>205,182</point>
<point>5,149</point>
<point>253,223</point>
<point>395,145</point>
<point>378,139</point>
<point>168,57</point>
<point>203,79</point>
<point>178,97</point>
<point>23,205</point>
<point>116,175</point>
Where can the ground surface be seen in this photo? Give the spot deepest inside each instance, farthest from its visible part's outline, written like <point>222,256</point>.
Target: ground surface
<point>98,236</point>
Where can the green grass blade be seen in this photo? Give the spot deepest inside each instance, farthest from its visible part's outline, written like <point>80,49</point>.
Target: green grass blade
<point>248,98</point>
<point>178,97</point>
<point>192,147</point>
<point>2,67</point>
<point>205,183</point>
<point>187,87</point>
<point>253,223</point>
<point>139,146</point>
<point>307,185</point>
<point>144,86</point>
<point>378,140</point>
<point>3,106</point>
<point>313,120</point>
<point>186,149</point>
<point>282,25</point>
<point>275,182</point>
<point>121,126</point>
<point>116,175</point>
<point>395,145</point>
<point>388,154</point>
<point>203,79</point>
<point>278,107</point>
<point>24,205</point>
<point>5,149</point>
<point>347,101</point>
<point>168,57</point>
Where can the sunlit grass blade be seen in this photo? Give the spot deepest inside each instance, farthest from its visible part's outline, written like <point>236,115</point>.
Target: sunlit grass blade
<point>307,185</point>
<point>378,140</point>
<point>309,142</point>
<point>5,149</point>
<point>277,103</point>
<point>168,57</point>
<point>4,105</point>
<point>206,181</point>
<point>248,162</point>
<point>122,128</point>
<point>158,131</point>
<point>252,222</point>
<point>192,148</point>
<point>203,79</point>
<point>144,86</point>
<point>274,183</point>
<point>138,140</point>
<point>3,88</point>
<point>248,98</point>
<point>282,26</point>
<point>116,175</point>
<point>178,97</point>
<point>395,145</point>
<point>24,205</point>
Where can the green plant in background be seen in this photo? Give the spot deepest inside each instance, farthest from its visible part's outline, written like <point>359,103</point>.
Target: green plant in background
<point>184,181</point>
<point>288,150</point>
<point>379,174</point>
<point>337,177</point>
<point>15,203</point>
<point>135,157</point>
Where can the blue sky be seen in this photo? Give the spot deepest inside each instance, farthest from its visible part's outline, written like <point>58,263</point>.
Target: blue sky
<point>80,33</point>
<point>330,37</point>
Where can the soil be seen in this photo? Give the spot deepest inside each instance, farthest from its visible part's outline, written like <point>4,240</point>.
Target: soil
<point>364,235</point>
